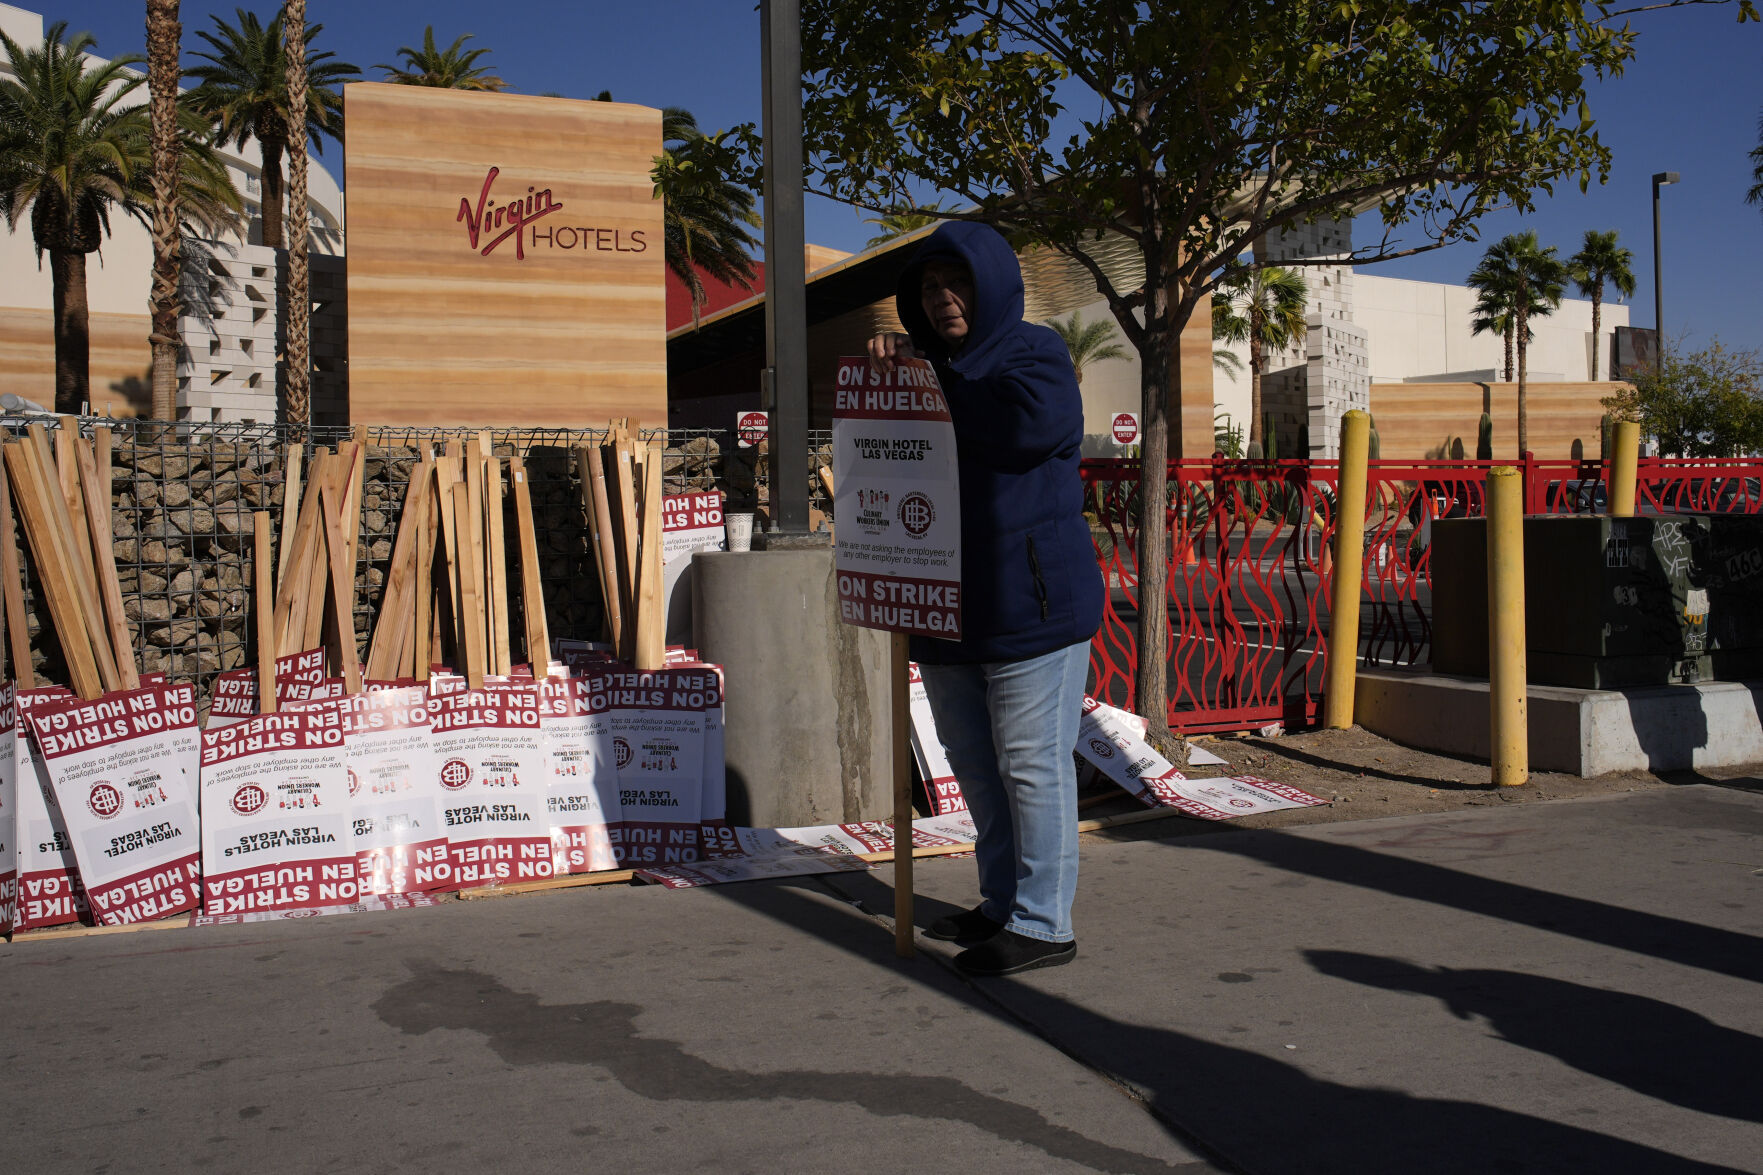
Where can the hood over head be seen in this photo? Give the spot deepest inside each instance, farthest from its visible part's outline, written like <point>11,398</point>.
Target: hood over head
<point>997,294</point>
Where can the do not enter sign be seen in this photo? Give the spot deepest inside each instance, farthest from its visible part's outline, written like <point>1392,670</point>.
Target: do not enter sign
<point>751,428</point>
<point>1126,428</point>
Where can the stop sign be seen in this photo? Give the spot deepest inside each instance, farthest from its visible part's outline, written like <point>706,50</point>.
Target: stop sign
<point>751,428</point>
<point>1126,428</point>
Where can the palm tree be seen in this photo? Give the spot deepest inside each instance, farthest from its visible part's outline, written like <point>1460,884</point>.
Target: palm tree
<point>705,212</point>
<point>297,384</point>
<point>244,93</point>
<point>1599,260</point>
<point>164,35</point>
<point>1519,279</point>
<point>898,224</point>
<point>1088,342</point>
<point>1493,310</point>
<point>452,68</point>
<point>1755,195</point>
<point>1265,308</point>
<point>71,149</point>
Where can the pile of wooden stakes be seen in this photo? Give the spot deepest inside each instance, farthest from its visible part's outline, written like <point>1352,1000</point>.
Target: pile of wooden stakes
<point>61,489</point>
<point>447,596</point>
<point>621,495</point>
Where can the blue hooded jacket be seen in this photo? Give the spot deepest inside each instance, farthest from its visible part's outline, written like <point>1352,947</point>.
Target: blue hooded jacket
<point>1029,578</point>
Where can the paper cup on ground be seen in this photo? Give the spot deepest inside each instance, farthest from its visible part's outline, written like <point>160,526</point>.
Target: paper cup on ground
<point>740,532</point>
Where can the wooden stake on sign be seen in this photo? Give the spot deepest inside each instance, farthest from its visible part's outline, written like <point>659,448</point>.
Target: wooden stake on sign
<point>471,604</point>
<point>58,587</point>
<point>342,577</point>
<point>422,651</point>
<point>122,647</point>
<point>502,657</point>
<point>473,565</point>
<point>532,585</point>
<point>624,504</point>
<point>651,652</point>
<point>290,499</point>
<point>613,598</point>
<point>447,476</point>
<point>898,702</point>
<point>296,573</point>
<point>81,576</point>
<point>587,460</point>
<point>318,601</point>
<point>18,637</point>
<point>67,472</point>
<point>386,652</point>
<point>352,512</point>
<point>102,445</point>
<point>826,479</point>
<point>263,563</point>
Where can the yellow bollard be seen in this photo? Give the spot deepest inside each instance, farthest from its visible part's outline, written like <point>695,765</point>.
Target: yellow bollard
<point>1625,451</point>
<point>1508,718</point>
<point>1349,567</point>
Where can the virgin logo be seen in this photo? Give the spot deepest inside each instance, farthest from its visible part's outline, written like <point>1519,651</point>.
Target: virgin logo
<point>507,220</point>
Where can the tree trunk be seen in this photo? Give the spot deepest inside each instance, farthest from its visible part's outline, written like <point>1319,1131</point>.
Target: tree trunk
<point>67,271</point>
<point>271,183</point>
<point>1522,330</point>
<point>1255,365</point>
<point>1597,331</point>
<point>1159,387</point>
<point>1507,337</point>
<point>164,32</point>
<point>298,324</point>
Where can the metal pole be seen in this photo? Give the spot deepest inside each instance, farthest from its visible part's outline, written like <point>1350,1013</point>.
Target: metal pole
<point>1660,179</point>
<point>1625,447</point>
<point>786,304</point>
<point>1509,730</point>
<point>1349,565</point>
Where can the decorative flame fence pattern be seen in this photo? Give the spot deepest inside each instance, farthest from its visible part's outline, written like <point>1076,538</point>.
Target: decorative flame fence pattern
<point>1251,570</point>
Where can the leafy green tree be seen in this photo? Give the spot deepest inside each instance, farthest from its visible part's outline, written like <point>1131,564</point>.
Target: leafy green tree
<point>1601,262</point>
<point>1706,403</point>
<point>1532,282</point>
<point>1088,342</point>
<point>707,211</point>
<point>1263,307</point>
<point>898,224</point>
<point>452,68</point>
<point>72,148</point>
<point>1194,131</point>
<point>244,94</point>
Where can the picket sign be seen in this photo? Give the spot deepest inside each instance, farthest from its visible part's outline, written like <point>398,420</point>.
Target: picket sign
<point>577,736</point>
<point>927,750</point>
<point>689,523</point>
<point>395,824</point>
<point>49,889</point>
<point>123,769</point>
<point>235,696</point>
<point>897,548</point>
<point>10,819</point>
<point>1108,742</point>
<point>657,725</point>
<point>802,862</point>
<point>492,769</point>
<point>275,803</point>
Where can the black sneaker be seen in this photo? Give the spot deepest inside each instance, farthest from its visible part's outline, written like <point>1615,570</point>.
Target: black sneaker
<point>1008,952</point>
<point>967,926</point>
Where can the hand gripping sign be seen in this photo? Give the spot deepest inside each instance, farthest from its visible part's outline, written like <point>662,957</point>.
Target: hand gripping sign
<point>123,769</point>
<point>897,500</point>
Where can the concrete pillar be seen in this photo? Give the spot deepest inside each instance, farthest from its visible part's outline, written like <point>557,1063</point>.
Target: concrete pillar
<point>807,723</point>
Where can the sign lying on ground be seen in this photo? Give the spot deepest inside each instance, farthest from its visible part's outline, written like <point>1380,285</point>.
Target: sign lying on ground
<point>897,499</point>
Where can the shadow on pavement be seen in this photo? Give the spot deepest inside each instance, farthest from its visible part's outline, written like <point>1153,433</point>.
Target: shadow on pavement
<point>1652,1047</point>
<point>1250,1112</point>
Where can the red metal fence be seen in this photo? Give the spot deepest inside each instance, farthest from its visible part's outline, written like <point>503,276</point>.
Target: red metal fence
<point>1250,572</point>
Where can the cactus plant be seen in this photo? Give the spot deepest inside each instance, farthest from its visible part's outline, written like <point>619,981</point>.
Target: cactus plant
<point>1271,436</point>
<point>1374,449</point>
<point>1484,438</point>
<point>1456,449</point>
<point>1304,441</point>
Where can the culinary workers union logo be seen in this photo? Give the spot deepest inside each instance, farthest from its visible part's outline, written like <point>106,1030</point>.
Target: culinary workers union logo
<point>104,801</point>
<point>455,774</point>
<point>916,514</point>
<point>248,798</point>
<point>354,782</point>
<point>621,752</point>
<point>1102,748</point>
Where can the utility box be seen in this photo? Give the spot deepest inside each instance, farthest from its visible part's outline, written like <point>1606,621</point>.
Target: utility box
<point>1610,602</point>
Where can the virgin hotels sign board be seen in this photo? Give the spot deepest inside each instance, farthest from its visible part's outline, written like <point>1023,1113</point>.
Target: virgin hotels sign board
<point>504,259</point>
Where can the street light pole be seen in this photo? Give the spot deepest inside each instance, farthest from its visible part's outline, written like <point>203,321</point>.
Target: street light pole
<point>785,394</point>
<point>1660,179</point>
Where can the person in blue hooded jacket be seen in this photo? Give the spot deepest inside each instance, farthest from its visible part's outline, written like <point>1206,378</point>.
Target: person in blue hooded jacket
<point>1008,695</point>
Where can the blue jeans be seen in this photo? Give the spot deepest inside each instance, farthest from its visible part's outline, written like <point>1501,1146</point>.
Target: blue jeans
<point>1009,728</point>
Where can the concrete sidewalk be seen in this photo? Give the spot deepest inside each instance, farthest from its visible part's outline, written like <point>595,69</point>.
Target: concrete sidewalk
<point>1545,987</point>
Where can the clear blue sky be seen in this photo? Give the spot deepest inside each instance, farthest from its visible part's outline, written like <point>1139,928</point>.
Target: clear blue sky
<point>1690,103</point>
